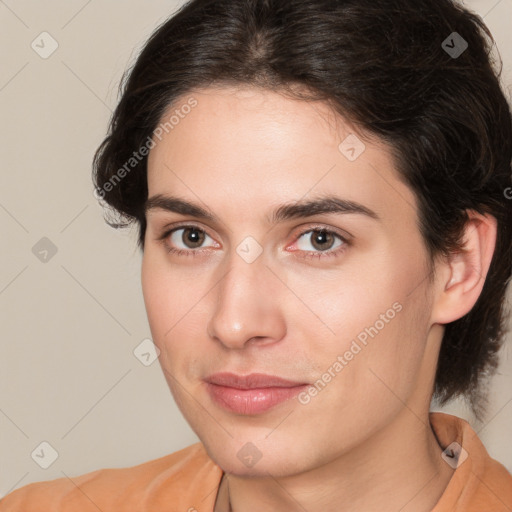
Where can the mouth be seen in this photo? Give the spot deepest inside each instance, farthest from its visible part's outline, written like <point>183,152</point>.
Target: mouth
<point>251,394</point>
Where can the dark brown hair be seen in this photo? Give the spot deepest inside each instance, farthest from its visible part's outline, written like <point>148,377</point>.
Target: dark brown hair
<point>419,75</point>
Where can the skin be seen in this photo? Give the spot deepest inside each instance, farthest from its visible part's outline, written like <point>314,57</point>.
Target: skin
<point>364,442</point>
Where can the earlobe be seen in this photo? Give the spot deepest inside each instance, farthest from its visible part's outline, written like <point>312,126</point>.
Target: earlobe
<point>464,272</point>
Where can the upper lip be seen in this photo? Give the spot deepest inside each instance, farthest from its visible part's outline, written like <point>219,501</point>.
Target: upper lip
<point>251,381</point>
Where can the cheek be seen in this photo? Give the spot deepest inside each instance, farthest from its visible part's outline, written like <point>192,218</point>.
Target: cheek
<point>172,301</point>
<point>163,297</point>
<point>360,295</point>
<point>152,290</point>
<point>378,317</point>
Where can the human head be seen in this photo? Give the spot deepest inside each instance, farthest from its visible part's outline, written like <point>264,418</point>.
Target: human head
<point>382,66</point>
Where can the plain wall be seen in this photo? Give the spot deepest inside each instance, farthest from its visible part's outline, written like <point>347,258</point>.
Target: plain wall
<point>69,325</point>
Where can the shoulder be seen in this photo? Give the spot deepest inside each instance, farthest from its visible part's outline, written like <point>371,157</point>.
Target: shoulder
<point>479,482</point>
<point>491,482</point>
<point>182,480</point>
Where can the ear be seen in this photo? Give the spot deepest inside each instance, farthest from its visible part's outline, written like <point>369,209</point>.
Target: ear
<point>460,278</point>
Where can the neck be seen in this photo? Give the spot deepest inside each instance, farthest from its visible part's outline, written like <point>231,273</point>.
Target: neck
<point>399,468</point>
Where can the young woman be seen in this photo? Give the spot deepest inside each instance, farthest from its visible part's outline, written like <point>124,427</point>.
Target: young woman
<point>323,195</point>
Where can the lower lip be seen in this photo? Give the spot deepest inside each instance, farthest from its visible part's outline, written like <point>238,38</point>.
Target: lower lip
<point>251,401</point>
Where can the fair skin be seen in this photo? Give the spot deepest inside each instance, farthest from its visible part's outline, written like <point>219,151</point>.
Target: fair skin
<point>364,441</point>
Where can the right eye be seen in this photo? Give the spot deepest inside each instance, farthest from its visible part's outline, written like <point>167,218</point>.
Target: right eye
<point>184,240</point>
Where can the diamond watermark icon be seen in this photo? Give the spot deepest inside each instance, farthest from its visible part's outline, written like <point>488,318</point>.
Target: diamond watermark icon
<point>44,455</point>
<point>44,250</point>
<point>454,455</point>
<point>352,147</point>
<point>454,45</point>
<point>44,45</point>
<point>146,352</point>
<point>249,454</point>
<point>249,249</point>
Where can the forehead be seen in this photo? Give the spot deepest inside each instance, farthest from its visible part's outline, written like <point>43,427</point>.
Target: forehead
<point>244,149</point>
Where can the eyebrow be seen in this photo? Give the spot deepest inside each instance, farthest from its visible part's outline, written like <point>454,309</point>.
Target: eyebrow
<point>288,211</point>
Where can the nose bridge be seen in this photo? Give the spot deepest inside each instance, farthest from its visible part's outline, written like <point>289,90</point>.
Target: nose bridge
<point>245,307</point>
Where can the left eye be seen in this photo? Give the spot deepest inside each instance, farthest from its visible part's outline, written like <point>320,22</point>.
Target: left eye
<point>321,239</point>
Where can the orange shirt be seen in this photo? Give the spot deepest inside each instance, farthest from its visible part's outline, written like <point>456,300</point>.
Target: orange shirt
<point>188,481</point>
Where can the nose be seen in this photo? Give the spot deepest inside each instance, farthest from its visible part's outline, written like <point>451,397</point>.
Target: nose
<point>247,305</point>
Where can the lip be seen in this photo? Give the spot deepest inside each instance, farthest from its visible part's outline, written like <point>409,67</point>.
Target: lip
<point>251,394</point>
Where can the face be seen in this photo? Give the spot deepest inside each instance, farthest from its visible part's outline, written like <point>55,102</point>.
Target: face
<point>288,335</point>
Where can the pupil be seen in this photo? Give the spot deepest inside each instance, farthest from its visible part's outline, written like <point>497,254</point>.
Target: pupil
<point>321,238</point>
<point>193,236</point>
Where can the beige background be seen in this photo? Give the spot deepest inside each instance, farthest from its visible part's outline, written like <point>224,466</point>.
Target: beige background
<point>68,375</point>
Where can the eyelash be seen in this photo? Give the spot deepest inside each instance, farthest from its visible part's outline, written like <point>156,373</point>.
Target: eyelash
<point>307,254</point>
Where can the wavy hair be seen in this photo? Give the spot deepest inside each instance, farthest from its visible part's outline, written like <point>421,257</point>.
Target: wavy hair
<point>421,76</point>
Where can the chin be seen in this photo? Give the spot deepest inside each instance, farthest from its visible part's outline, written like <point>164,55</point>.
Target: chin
<point>259,459</point>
